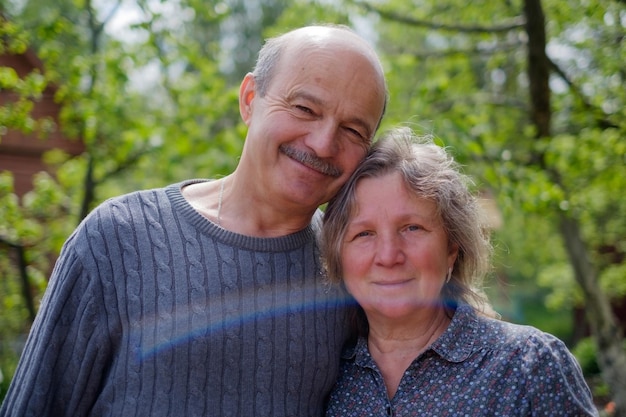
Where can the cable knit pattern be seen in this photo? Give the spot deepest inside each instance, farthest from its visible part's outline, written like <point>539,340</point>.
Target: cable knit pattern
<point>152,310</point>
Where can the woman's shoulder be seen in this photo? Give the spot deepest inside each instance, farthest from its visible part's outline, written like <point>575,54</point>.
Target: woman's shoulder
<point>475,330</point>
<point>505,335</point>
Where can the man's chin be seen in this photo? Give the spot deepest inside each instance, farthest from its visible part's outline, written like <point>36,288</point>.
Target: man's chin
<point>306,196</point>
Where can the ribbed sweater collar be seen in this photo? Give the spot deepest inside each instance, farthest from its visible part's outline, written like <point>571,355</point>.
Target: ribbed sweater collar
<point>206,226</point>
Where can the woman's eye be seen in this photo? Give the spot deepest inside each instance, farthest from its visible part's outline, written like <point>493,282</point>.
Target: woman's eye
<point>355,132</point>
<point>413,228</point>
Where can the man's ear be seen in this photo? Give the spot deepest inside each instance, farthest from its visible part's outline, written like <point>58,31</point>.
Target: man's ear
<point>247,92</point>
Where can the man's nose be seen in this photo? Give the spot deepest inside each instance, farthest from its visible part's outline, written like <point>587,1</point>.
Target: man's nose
<point>323,140</point>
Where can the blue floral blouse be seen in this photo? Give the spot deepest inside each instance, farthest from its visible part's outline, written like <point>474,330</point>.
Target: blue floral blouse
<point>477,367</point>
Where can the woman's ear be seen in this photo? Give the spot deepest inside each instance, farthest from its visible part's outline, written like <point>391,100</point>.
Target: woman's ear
<point>453,253</point>
<point>247,92</point>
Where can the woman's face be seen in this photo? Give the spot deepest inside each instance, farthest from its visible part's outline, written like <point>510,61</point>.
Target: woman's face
<point>395,254</point>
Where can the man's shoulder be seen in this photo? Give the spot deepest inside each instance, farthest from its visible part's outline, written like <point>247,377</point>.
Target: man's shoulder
<point>124,210</point>
<point>124,204</point>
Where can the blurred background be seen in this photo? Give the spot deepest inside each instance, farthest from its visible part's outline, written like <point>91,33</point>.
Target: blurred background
<point>103,97</point>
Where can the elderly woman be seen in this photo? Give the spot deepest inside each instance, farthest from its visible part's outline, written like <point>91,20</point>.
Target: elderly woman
<point>404,236</point>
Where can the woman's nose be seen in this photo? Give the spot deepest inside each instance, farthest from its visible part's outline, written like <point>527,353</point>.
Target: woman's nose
<point>390,250</point>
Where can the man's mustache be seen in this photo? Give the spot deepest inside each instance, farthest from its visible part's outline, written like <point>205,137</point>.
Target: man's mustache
<point>311,160</point>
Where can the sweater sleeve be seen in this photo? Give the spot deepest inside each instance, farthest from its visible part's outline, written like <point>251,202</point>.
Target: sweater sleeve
<point>66,350</point>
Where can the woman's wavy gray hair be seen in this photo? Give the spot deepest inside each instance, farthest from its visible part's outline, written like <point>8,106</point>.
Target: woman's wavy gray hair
<point>431,173</point>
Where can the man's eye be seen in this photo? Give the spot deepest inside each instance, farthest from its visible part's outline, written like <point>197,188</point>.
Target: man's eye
<point>357,137</point>
<point>304,109</point>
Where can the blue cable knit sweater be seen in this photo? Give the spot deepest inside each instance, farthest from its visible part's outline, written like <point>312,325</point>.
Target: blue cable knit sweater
<point>153,310</point>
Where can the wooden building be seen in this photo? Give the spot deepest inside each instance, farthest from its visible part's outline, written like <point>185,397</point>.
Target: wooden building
<point>22,153</point>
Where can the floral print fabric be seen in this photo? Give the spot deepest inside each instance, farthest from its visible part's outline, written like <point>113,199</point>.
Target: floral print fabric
<point>478,367</point>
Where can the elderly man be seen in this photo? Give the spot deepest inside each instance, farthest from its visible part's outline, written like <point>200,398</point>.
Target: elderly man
<point>205,297</point>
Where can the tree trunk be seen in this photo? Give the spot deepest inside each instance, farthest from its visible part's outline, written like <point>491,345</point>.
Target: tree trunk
<point>88,188</point>
<point>606,333</point>
<point>538,68</point>
<point>611,356</point>
<point>22,266</point>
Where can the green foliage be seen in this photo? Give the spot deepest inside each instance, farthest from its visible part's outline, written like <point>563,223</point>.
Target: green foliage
<point>585,353</point>
<point>23,226</point>
<point>14,40</point>
<point>13,316</point>
<point>464,81</point>
<point>9,208</point>
<point>303,12</point>
<point>37,223</point>
<point>15,114</point>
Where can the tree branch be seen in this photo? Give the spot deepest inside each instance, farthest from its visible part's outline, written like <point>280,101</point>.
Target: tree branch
<point>602,121</point>
<point>478,50</point>
<point>514,24</point>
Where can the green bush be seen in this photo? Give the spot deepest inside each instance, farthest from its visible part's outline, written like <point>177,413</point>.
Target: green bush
<point>585,353</point>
